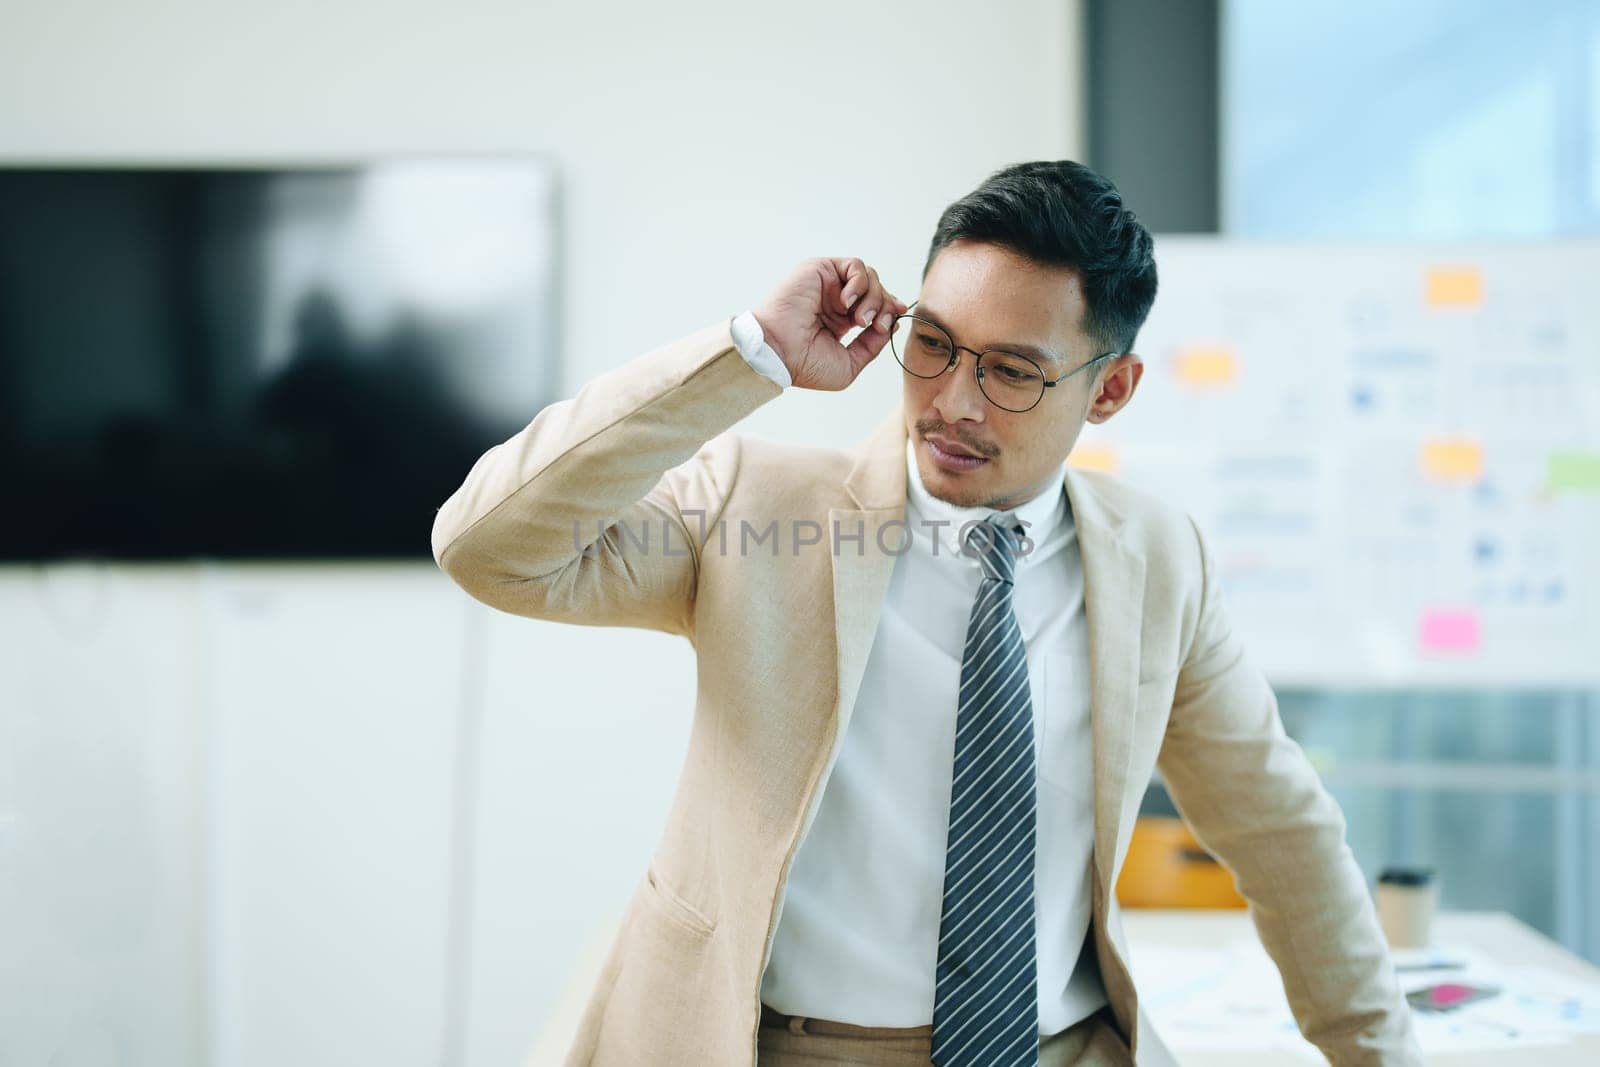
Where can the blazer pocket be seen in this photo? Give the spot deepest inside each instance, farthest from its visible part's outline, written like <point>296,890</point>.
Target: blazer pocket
<point>677,909</point>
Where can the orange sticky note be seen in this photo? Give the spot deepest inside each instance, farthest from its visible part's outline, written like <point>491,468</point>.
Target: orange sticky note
<point>1449,630</point>
<point>1455,287</point>
<point>1452,459</point>
<point>1094,458</point>
<point>1206,365</point>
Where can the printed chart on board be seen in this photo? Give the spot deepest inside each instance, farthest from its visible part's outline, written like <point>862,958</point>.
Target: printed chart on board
<point>1394,452</point>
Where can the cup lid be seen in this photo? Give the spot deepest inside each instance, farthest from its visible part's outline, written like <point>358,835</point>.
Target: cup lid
<point>1406,875</point>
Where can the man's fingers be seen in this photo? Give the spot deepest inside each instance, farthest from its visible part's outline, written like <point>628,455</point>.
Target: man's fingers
<point>889,306</point>
<point>857,278</point>
<point>875,310</point>
<point>862,299</point>
<point>838,325</point>
<point>871,302</point>
<point>865,348</point>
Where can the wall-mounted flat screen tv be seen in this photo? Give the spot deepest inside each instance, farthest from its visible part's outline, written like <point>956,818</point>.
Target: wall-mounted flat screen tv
<point>285,362</point>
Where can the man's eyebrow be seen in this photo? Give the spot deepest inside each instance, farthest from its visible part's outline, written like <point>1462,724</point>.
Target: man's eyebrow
<point>1038,352</point>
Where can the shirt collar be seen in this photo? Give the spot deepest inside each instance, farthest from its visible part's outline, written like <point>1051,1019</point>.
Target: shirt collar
<point>1042,514</point>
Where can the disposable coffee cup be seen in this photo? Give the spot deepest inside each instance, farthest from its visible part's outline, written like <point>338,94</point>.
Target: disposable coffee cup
<point>1407,899</point>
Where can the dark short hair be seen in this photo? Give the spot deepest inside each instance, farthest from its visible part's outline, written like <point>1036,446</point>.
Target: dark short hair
<point>1063,214</point>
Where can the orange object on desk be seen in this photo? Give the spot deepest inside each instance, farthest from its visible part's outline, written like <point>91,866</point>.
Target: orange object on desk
<point>1166,868</point>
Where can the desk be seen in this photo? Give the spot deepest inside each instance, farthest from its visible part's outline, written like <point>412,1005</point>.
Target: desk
<point>1496,935</point>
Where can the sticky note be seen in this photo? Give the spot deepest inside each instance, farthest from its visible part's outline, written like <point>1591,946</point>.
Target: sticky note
<point>1449,630</point>
<point>1454,287</point>
<point>1452,459</point>
<point>1206,365</point>
<point>1573,472</point>
<point>1094,458</point>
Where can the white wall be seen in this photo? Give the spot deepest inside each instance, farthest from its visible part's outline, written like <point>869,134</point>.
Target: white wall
<point>230,796</point>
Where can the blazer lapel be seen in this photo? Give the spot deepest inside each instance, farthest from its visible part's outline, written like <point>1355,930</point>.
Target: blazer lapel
<point>877,486</point>
<point>1113,595</point>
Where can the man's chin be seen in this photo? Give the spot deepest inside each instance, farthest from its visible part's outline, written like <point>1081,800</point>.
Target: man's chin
<point>955,489</point>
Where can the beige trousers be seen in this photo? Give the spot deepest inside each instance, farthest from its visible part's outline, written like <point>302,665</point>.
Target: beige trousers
<point>798,1041</point>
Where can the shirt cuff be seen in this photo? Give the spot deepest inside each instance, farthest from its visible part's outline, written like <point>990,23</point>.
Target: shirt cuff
<point>752,345</point>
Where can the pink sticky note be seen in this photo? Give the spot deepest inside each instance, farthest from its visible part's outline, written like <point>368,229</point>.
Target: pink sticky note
<point>1446,630</point>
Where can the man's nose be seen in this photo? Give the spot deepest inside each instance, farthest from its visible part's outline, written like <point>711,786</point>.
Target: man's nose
<point>959,397</point>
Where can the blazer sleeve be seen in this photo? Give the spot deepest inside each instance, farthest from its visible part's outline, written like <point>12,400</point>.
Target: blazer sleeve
<point>595,512</point>
<point>1255,802</point>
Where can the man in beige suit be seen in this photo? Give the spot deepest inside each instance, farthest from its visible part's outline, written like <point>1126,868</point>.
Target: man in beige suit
<point>881,849</point>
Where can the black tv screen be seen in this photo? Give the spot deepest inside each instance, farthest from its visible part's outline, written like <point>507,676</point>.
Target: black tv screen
<point>253,363</point>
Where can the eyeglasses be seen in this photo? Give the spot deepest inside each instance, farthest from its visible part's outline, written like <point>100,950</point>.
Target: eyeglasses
<point>1009,380</point>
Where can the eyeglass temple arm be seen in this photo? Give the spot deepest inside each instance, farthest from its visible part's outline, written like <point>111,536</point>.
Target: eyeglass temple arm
<point>1086,366</point>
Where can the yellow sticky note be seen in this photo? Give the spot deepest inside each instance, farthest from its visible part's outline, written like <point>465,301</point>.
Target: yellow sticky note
<point>1206,365</point>
<point>1094,458</point>
<point>1455,287</point>
<point>1452,459</point>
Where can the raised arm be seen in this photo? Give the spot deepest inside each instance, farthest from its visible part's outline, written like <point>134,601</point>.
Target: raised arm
<point>595,512</point>
<point>1255,802</point>
<point>632,455</point>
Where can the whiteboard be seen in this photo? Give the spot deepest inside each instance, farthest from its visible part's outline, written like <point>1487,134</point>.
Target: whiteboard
<point>1393,451</point>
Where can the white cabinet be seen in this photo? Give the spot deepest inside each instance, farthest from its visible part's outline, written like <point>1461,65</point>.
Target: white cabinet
<point>227,807</point>
<point>335,691</point>
<point>102,908</point>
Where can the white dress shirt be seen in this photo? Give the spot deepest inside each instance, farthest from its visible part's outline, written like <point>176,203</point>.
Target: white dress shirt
<point>858,930</point>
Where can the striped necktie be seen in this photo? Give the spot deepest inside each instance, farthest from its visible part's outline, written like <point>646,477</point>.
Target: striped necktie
<point>986,1002</point>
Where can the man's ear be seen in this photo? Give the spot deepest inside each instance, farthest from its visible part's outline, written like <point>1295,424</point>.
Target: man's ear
<point>1122,386</point>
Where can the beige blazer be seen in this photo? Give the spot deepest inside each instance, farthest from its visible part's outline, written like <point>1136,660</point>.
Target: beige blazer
<point>781,635</point>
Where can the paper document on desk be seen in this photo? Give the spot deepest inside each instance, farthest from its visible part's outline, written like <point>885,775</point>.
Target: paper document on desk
<point>1225,999</point>
<point>1534,1006</point>
<point>1231,998</point>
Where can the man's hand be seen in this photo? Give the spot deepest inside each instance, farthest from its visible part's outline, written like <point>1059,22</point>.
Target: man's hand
<point>807,316</point>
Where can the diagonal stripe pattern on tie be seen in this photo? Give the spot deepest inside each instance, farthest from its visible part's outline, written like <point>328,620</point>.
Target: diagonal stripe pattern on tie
<point>986,1003</point>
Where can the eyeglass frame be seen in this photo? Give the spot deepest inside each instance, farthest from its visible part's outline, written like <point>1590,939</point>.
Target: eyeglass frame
<point>977,361</point>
